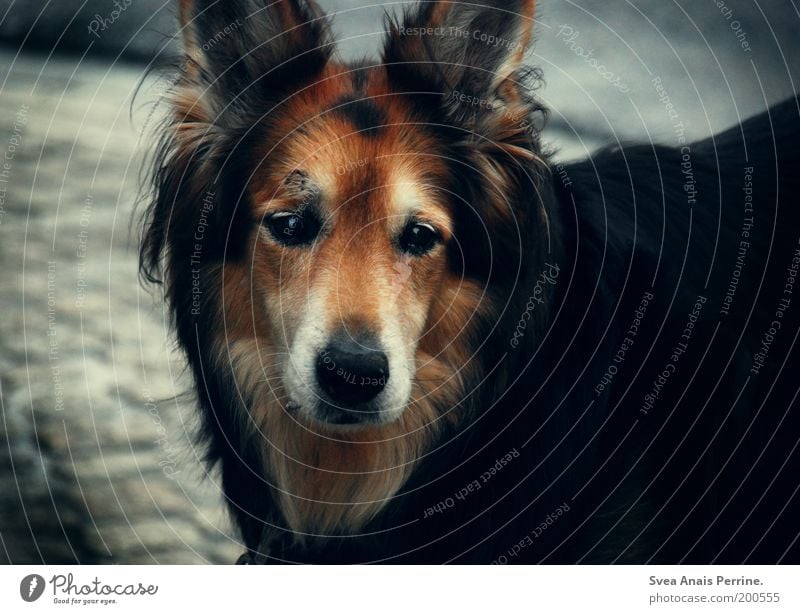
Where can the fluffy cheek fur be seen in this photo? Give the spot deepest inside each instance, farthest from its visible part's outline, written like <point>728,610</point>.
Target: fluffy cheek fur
<point>328,481</point>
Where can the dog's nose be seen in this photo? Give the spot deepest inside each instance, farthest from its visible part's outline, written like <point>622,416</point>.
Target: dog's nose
<point>352,371</point>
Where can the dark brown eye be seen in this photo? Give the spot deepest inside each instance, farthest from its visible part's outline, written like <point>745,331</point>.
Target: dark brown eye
<point>419,238</point>
<point>293,229</point>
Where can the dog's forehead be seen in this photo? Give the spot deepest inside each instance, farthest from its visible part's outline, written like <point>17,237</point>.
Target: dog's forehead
<point>357,141</point>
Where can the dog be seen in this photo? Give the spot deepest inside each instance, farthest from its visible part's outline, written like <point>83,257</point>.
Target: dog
<point>417,339</point>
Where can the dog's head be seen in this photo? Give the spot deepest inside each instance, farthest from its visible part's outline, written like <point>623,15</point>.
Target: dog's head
<point>334,234</point>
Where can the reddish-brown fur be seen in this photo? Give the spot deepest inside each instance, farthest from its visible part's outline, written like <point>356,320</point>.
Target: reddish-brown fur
<point>335,481</point>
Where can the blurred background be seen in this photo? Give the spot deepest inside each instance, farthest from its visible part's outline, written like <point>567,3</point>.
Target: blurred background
<point>97,461</point>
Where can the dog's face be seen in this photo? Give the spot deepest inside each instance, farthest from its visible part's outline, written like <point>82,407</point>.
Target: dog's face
<point>334,236</point>
<point>352,230</point>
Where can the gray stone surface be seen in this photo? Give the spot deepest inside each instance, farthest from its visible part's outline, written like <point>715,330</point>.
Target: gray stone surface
<point>97,461</point>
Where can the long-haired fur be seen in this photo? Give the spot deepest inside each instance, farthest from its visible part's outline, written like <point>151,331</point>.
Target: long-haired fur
<point>518,443</point>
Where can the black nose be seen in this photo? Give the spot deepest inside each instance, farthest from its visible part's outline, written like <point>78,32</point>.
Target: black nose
<point>351,370</point>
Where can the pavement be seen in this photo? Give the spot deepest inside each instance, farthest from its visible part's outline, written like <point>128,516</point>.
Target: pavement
<point>97,461</point>
<point>97,458</point>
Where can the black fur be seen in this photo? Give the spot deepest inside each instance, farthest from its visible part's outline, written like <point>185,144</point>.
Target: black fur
<point>711,472</point>
<point>365,116</point>
<point>707,471</point>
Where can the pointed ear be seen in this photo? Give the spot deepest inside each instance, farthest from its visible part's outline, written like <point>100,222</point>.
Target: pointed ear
<point>240,49</point>
<point>240,57</point>
<point>474,47</point>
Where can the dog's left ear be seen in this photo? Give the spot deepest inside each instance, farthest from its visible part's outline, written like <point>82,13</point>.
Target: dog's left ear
<point>461,49</point>
<point>461,63</point>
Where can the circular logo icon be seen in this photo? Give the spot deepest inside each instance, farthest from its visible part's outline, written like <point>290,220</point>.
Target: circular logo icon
<point>31,587</point>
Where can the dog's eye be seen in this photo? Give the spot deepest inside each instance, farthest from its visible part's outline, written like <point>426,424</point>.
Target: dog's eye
<point>293,229</point>
<point>419,238</point>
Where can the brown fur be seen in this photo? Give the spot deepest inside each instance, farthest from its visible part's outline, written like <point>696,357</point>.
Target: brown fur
<point>330,481</point>
<point>335,481</point>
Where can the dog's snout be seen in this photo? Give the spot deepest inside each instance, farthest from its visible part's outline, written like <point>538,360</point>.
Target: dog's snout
<point>352,371</point>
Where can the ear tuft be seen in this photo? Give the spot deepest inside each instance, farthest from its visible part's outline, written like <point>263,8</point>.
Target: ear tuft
<point>251,50</point>
<point>464,61</point>
<point>471,47</point>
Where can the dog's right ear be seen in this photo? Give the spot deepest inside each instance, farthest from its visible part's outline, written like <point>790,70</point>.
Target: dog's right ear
<point>237,51</point>
<point>240,58</point>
